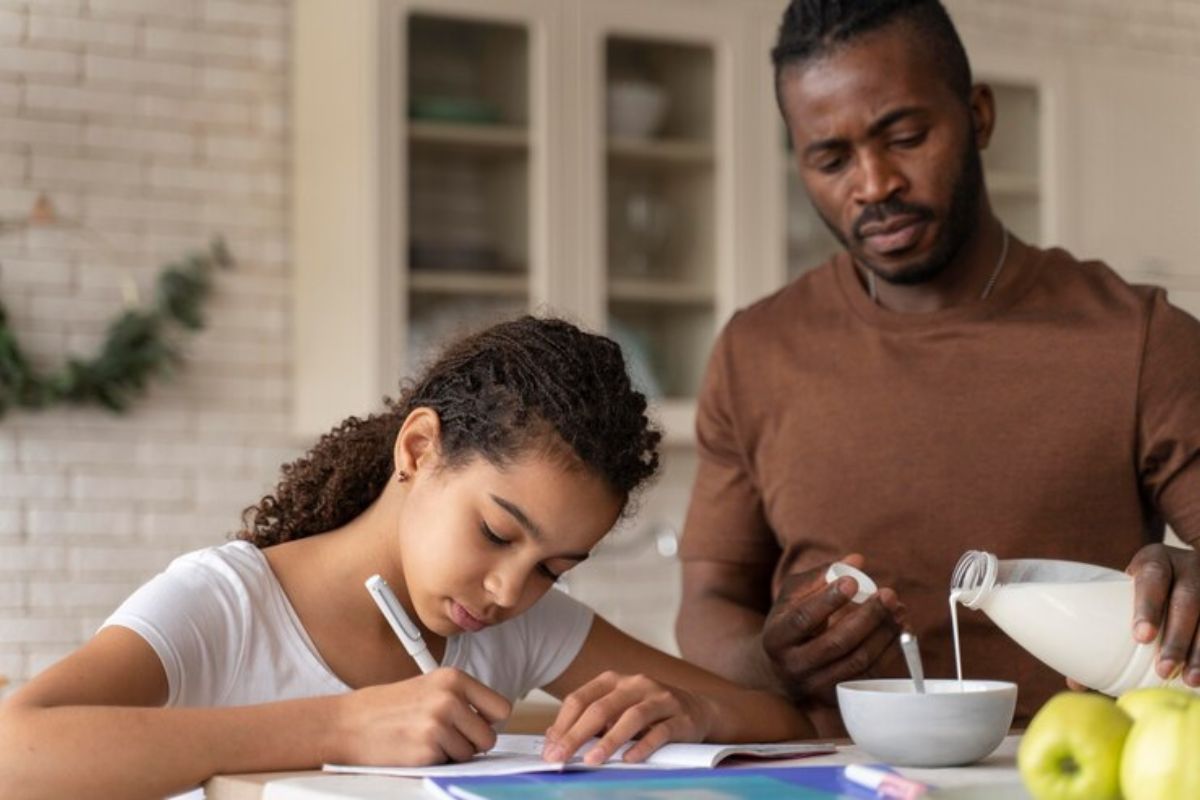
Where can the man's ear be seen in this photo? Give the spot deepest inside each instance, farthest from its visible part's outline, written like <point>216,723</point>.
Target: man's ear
<point>983,114</point>
<point>419,443</point>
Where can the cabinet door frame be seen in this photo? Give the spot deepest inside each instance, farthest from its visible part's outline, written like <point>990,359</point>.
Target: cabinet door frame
<point>338,306</point>
<point>711,24</point>
<point>763,191</point>
<point>1002,60</point>
<point>349,217</point>
<point>541,18</point>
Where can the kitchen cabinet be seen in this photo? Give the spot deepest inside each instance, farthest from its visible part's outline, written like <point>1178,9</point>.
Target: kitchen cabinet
<point>458,161</point>
<point>618,162</point>
<point>623,163</point>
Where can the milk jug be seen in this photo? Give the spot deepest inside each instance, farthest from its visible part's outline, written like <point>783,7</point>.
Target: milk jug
<point>1076,618</point>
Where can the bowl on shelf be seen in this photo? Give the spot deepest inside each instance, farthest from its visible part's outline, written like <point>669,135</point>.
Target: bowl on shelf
<point>636,109</point>
<point>946,726</point>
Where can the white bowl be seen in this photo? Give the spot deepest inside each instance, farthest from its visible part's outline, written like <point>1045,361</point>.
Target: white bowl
<point>944,727</point>
<point>636,109</point>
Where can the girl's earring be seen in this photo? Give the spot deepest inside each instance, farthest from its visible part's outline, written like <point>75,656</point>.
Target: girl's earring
<point>401,476</point>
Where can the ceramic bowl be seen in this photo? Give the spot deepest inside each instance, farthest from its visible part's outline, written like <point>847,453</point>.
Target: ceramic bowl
<point>945,727</point>
<point>636,109</point>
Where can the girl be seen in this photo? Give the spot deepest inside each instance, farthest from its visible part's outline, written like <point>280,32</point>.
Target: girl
<point>492,475</point>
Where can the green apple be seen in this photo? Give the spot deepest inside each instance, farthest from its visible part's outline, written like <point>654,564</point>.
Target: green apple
<point>1072,748</point>
<point>1139,702</point>
<point>1160,759</point>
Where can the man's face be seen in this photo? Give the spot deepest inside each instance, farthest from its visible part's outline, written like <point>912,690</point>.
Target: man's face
<point>888,152</point>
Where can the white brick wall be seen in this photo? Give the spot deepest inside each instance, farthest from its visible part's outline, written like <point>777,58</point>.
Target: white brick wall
<point>159,124</point>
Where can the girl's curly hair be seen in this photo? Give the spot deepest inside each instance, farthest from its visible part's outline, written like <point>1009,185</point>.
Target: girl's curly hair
<point>528,382</point>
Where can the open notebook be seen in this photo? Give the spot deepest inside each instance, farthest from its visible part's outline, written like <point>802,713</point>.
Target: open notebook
<point>517,753</point>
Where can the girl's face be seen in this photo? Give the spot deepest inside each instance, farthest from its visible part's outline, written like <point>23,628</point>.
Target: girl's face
<point>480,544</point>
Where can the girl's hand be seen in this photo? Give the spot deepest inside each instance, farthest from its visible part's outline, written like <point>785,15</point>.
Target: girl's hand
<point>622,707</point>
<point>444,716</point>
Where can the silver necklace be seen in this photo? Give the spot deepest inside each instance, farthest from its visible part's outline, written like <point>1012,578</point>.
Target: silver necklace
<point>987,289</point>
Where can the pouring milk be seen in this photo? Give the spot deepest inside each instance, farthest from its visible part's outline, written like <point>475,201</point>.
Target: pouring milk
<point>1076,618</point>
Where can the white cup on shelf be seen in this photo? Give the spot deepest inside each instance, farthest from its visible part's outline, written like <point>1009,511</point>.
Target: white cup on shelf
<point>636,109</point>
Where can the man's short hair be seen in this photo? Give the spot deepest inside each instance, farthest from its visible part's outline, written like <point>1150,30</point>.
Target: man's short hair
<point>814,28</point>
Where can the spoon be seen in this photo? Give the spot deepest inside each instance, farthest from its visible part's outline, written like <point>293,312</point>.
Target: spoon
<point>912,657</point>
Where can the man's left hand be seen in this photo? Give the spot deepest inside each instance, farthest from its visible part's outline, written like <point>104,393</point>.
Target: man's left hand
<point>1167,598</point>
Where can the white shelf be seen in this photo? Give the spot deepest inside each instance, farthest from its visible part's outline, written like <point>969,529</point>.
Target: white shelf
<point>484,138</point>
<point>514,284</point>
<point>659,291</point>
<point>666,152</point>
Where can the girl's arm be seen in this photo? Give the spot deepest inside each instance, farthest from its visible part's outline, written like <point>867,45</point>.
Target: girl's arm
<point>89,726</point>
<point>628,688</point>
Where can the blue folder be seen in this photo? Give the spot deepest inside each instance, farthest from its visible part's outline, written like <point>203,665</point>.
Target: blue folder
<point>765,783</point>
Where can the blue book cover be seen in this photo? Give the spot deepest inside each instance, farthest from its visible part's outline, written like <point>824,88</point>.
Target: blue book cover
<point>766,783</point>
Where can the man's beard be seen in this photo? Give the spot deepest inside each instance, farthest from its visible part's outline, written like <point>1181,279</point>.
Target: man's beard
<point>959,224</point>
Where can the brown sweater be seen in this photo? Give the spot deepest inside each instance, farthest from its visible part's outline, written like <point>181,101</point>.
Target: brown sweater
<point>1060,418</point>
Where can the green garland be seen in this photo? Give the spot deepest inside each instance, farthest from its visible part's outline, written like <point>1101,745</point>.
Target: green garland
<point>137,347</point>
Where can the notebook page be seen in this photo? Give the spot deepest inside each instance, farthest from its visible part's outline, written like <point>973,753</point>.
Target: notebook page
<point>518,753</point>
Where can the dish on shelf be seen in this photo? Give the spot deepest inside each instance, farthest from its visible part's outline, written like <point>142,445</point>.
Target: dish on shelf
<point>636,109</point>
<point>642,230</point>
<point>453,109</point>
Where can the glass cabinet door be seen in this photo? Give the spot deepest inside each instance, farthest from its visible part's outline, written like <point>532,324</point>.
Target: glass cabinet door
<point>658,83</point>
<point>660,208</point>
<point>809,241</point>
<point>467,188</point>
<point>1012,162</point>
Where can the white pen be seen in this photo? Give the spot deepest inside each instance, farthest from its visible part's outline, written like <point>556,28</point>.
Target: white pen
<point>408,633</point>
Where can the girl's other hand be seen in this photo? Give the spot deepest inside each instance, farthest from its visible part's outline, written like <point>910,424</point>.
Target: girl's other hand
<point>444,716</point>
<point>623,707</point>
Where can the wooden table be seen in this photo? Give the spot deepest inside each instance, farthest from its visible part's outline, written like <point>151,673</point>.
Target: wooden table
<point>994,778</point>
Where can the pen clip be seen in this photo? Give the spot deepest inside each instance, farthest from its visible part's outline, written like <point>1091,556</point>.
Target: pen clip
<point>383,595</point>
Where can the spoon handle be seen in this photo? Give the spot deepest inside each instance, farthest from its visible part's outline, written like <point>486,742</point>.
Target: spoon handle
<point>912,656</point>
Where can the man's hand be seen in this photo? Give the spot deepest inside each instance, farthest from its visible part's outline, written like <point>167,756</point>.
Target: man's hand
<point>1167,598</point>
<point>815,637</point>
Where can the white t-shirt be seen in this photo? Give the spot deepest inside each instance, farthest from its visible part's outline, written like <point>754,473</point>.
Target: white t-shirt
<point>227,635</point>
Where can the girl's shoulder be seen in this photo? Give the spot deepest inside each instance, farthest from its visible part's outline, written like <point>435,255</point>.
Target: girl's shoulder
<point>221,581</point>
<point>210,582</point>
<point>236,562</point>
<point>224,630</point>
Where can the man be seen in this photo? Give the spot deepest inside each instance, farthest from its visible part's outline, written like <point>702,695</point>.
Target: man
<point>939,386</point>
